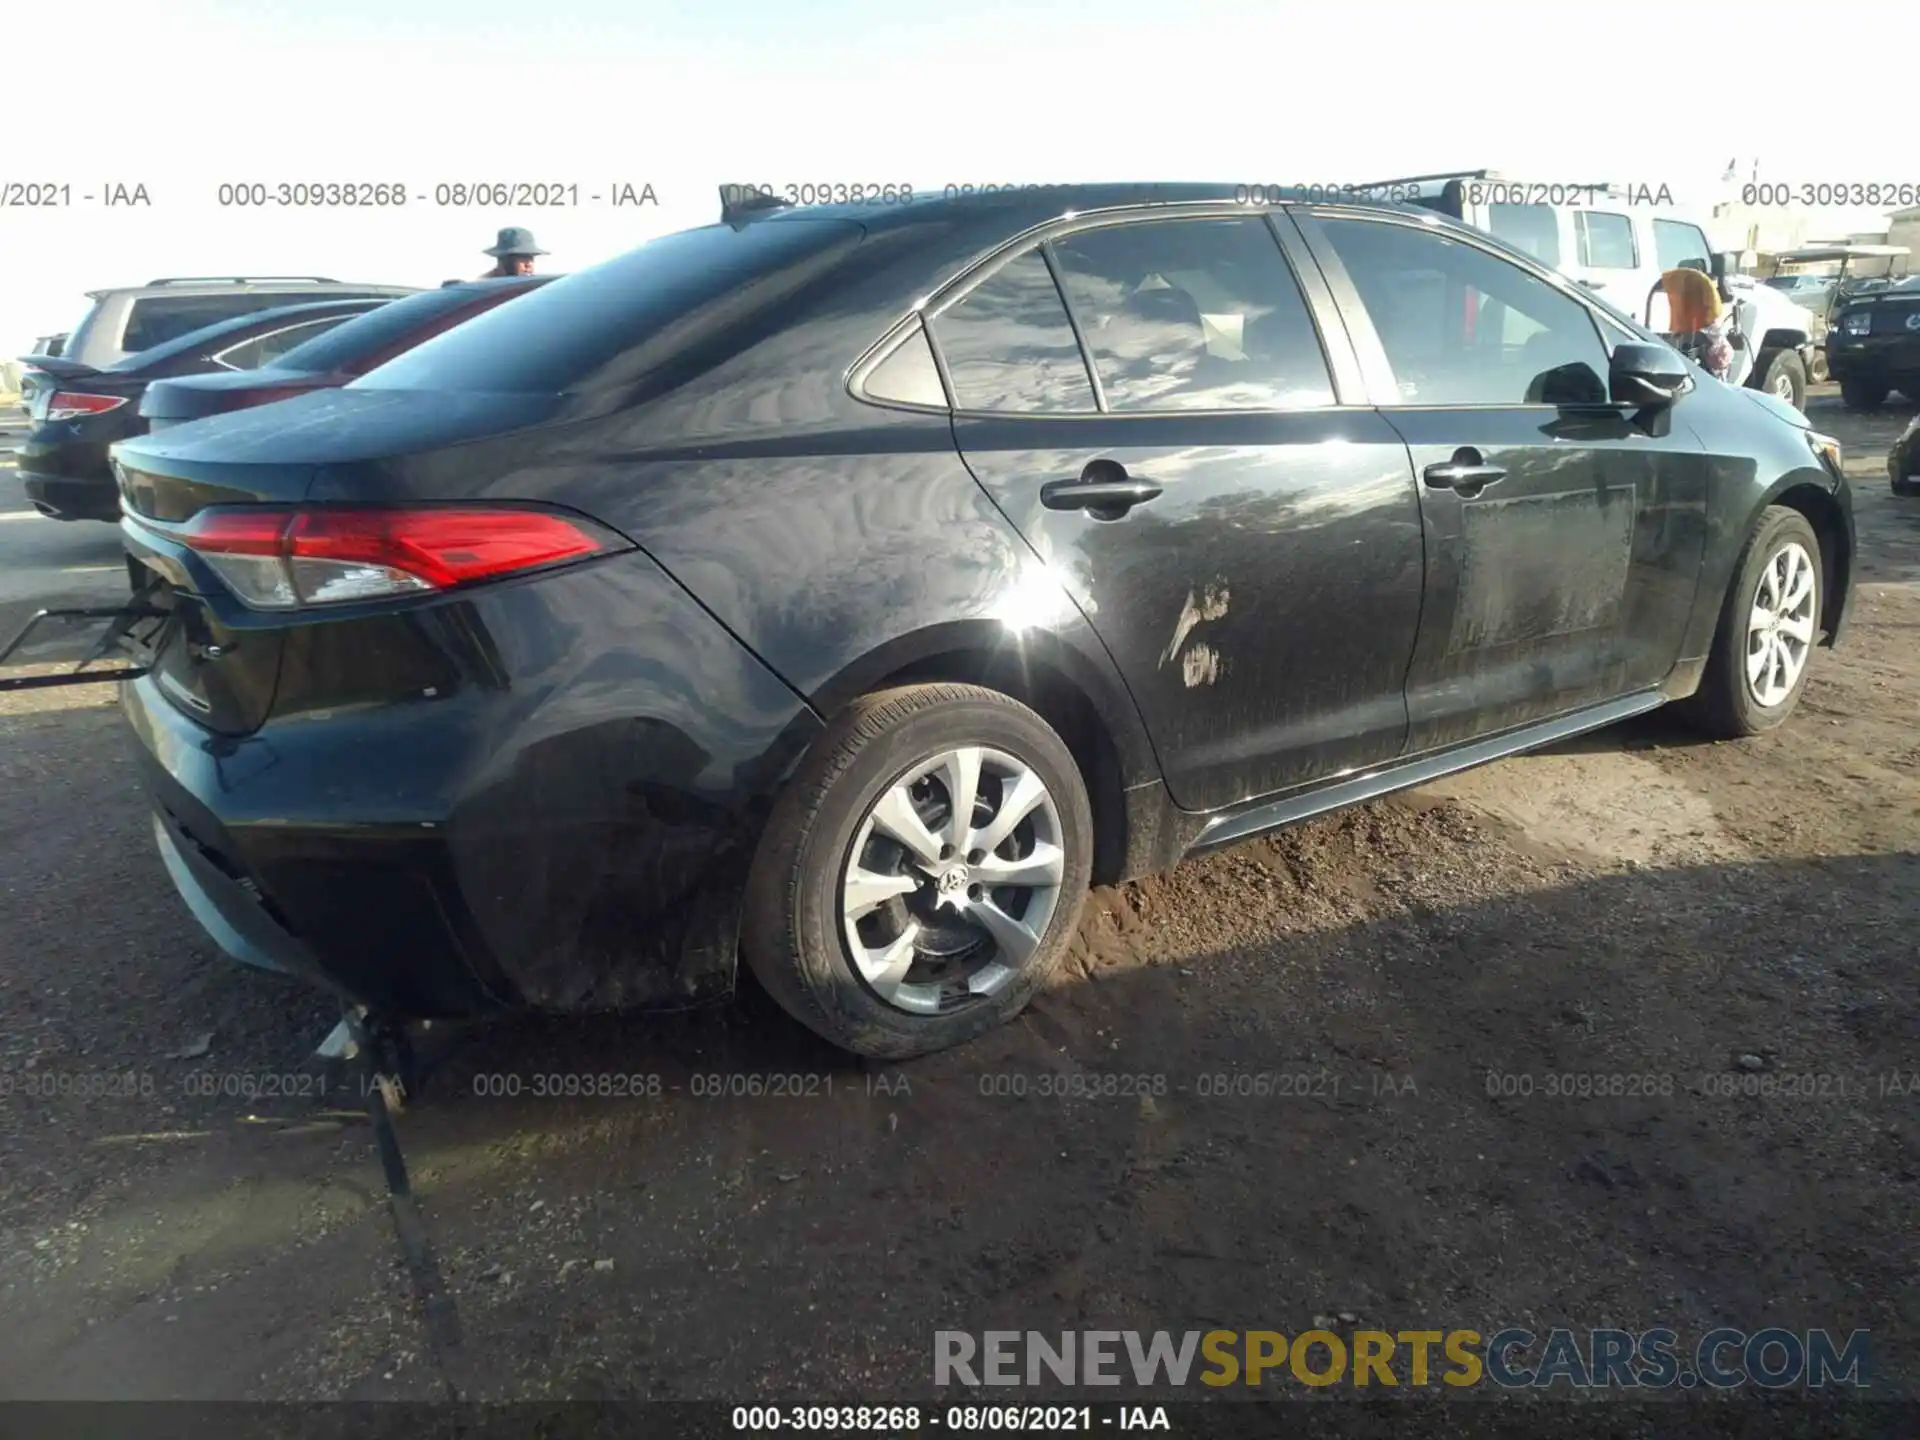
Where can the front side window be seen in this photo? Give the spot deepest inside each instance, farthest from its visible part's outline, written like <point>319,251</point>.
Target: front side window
<point>1463,327</point>
<point>1009,345</point>
<point>1193,315</point>
<point>1606,241</point>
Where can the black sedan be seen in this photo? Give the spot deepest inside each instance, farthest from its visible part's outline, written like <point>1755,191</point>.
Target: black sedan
<point>341,354</point>
<point>844,590</point>
<point>78,411</point>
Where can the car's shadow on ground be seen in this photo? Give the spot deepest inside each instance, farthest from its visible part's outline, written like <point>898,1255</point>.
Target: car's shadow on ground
<point>1381,1065</point>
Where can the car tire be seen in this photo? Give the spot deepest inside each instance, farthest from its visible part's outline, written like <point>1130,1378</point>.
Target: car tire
<point>1863,394</point>
<point>1782,373</point>
<point>935,968</point>
<point>1733,700</point>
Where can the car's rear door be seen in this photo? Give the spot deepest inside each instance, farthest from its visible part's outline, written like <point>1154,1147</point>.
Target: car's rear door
<point>1182,439</point>
<point>1564,534</point>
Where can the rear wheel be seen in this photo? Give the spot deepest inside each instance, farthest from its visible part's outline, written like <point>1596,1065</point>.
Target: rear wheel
<point>1781,374</point>
<point>1768,626</point>
<point>1858,394</point>
<point>921,878</point>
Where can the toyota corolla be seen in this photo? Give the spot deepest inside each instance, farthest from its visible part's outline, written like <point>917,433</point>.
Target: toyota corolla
<point>841,591</point>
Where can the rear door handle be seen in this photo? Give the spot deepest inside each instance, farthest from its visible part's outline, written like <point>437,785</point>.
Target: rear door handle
<point>1104,488</point>
<point>1468,473</point>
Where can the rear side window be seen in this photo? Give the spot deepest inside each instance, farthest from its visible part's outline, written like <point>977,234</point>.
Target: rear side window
<point>1677,245</point>
<point>1534,229</point>
<point>266,349</point>
<point>592,329</point>
<point>1606,240</point>
<point>1009,345</point>
<point>239,327</point>
<point>160,318</point>
<point>1193,315</point>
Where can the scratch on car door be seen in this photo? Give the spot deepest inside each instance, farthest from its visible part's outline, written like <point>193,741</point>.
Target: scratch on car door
<point>1210,604</point>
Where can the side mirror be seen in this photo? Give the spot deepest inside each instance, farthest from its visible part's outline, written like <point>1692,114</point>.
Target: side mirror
<point>1720,265</point>
<point>1645,375</point>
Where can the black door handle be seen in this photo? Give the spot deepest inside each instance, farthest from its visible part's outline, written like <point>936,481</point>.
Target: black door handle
<point>1468,473</point>
<point>1104,488</point>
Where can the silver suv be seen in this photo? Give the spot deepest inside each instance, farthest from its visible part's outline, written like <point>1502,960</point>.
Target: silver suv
<point>125,321</point>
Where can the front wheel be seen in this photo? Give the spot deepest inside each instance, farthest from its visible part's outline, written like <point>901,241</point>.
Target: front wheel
<point>1781,374</point>
<point>1769,624</point>
<point>1863,394</point>
<point>921,878</point>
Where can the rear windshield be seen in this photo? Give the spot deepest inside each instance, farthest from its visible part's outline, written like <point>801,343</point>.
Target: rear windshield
<point>368,334</point>
<point>565,336</point>
<point>206,334</point>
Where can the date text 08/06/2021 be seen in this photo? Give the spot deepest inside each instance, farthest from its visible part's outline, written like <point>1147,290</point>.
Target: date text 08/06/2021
<point>903,1420</point>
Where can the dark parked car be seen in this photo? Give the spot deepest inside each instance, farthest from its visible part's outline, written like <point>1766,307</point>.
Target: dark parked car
<point>1903,460</point>
<point>344,353</point>
<point>31,378</point>
<point>78,411</point>
<point>1873,343</point>
<point>846,589</point>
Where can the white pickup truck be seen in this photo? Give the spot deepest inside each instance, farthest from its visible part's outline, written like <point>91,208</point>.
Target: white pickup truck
<point>1618,242</point>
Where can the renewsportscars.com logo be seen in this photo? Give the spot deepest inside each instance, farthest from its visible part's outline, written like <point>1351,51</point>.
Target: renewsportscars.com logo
<point>1510,1359</point>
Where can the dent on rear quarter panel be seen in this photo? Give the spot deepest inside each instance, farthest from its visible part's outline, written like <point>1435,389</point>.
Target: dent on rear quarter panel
<point>604,844</point>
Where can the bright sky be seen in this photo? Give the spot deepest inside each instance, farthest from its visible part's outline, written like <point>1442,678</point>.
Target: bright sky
<point>183,95</point>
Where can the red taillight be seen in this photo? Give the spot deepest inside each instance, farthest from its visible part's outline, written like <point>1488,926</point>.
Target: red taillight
<point>76,404</point>
<point>283,560</point>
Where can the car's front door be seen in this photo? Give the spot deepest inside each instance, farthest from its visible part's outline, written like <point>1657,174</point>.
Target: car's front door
<point>1564,533</point>
<point>1247,547</point>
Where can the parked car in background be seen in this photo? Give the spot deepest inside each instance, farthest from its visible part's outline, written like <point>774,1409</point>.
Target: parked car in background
<point>341,354</point>
<point>30,379</point>
<point>1903,460</point>
<point>1808,291</point>
<point>1619,248</point>
<point>1873,343</point>
<point>846,589</point>
<point>79,411</point>
<point>125,321</point>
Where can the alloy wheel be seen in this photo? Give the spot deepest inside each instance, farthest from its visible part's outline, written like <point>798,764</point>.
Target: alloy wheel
<point>952,879</point>
<point>1780,624</point>
<point>1783,387</point>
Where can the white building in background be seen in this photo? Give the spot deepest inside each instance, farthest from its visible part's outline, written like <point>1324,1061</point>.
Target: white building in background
<point>1763,231</point>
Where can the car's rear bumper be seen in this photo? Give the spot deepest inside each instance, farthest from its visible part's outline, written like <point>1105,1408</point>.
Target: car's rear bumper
<point>69,481</point>
<point>561,817</point>
<point>1880,358</point>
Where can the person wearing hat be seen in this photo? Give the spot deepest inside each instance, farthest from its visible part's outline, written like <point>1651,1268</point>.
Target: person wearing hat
<point>513,253</point>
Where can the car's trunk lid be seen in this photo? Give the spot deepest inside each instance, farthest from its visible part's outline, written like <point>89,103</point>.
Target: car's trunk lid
<point>193,397</point>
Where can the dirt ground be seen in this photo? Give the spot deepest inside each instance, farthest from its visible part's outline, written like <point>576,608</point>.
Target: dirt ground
<point>1631,904</point>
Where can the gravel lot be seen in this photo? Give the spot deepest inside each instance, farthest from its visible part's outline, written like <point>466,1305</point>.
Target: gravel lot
<point>1632,904</point>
